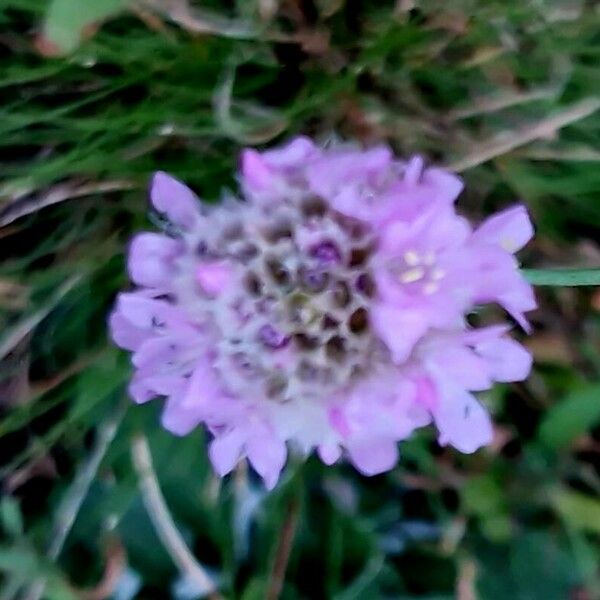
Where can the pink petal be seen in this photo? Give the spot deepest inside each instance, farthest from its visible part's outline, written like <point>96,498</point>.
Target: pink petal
<point>155,352</point>
<point>398,328</point>
<point>178,419</point>
<point>140,391</point>
<point>175,200</point>
<point>331,174</point>
<point>461,419</point>
<point>473,337</point>
<point>149,259</point>
<point>462,365</point>
<point>225,451</point>
<point>426,393</point>
<point>214,277</point>
<point>329,453</point>
<point>165,384</point>
<point>291,155</point>
<point>267,455</point>
<point>511,229</point>
<point>257,174</point>
<point>445,186</point>
<point>518,299</point>
<point>508,360</point>
<point>124,333</point>
<point>147,313</point>
<point>373,456</point>
<point>413,170</point>
<point>204,388</point>
<point>339,422</point>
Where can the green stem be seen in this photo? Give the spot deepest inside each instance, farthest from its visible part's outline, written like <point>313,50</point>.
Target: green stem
<point>285,541</point>
<point>563,277</point>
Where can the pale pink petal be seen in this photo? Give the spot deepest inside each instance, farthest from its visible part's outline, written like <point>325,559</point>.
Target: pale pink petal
<point>148,313</point>
<point>165,384</point>
<point>400,329</point>
<point>155,352</point>
<point>413,170</point>
<point>517,300</point>
<point>203,388</point>
<point>445,186</point>
<point>426,393</point>
<point>267,455</point>
<point>339,421</point>
<point>462,365</point>
<point>175,200</point>
<point>256,173</point>
<point>214,277</point>
<point>180,420</point>
<point>125,333</point>
<point>149,260</point>
<point>140,391</point>
<point>291,155</point>
<point>473,337</point>
<point>510,229</point>
<point>507,359</point>
<point>225,451</point>
<point>461,420</point>
<point>373,456</point>
<point>329,453</point>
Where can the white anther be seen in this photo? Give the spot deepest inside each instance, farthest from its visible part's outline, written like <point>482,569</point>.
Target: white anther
<point>412,258</point>
<point>437,274</point>
<point>412,275</point>
<point>431,287</point>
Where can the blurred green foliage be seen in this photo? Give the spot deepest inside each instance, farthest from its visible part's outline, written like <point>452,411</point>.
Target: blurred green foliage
<point>86,116</point>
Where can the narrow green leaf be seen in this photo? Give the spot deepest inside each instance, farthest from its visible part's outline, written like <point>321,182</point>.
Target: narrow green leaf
<point>578,510</point>
<point>362,583</point>
<point>563,277</point>
<point>571,417</point>
<point>10,515</point>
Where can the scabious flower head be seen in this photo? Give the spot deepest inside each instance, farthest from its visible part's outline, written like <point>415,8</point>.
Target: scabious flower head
<point>324,309</point>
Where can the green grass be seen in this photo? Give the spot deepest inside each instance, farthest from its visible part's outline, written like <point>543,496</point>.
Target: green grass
<point>479,85</point>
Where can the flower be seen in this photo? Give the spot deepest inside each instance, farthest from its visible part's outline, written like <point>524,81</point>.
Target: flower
<point>324,310</point>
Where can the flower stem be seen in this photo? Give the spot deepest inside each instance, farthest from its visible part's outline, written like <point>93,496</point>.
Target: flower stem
<point>163,521</point>
<point>563,277</point>
<point>284,545</point>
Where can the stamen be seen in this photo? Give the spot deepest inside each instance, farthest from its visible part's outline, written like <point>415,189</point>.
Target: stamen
<point>412,275</point>
<point>412,258</point>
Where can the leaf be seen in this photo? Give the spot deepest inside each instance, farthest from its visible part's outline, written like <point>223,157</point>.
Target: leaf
<point>66,20</point>
<point>483,496</point>
<point>364,580</point>
<point>256,589</point>
<point>10,515</point>
<point>563,277</point>
<point>578,510</point>
<point>11,337</point>
<point>22,561</point>
<point>571,417</point>
<point>540,567</point>
<point>245,122</point>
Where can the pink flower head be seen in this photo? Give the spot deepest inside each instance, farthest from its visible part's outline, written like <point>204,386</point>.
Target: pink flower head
<point>325,311</point>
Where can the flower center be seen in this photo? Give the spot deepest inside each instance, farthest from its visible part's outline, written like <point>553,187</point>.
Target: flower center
<point>296,324</point>
<point>419,273</point>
